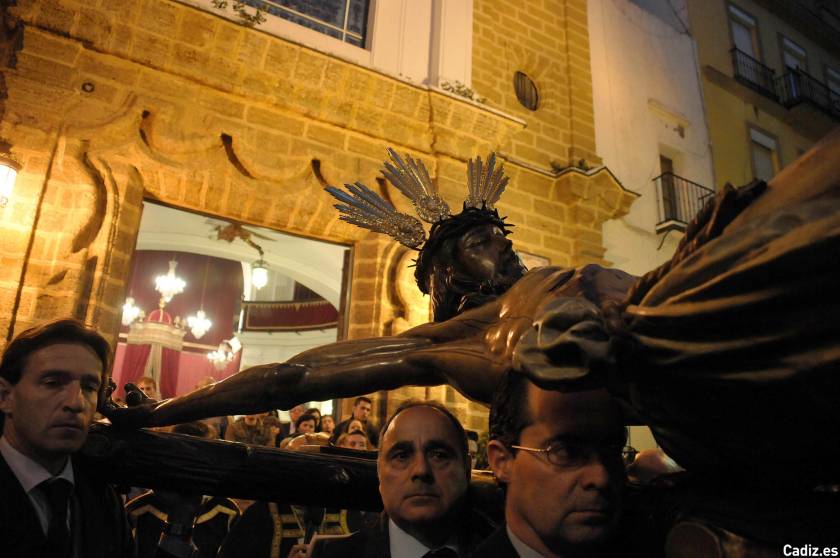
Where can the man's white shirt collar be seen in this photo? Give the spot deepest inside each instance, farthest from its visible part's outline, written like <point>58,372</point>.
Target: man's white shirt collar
<point>403,545</point>
<point>29,472</point>
<point>522,549</point>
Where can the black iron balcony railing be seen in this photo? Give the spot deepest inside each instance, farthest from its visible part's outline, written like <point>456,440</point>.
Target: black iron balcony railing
<point>679,200</point>
<point>797,86</point>
<point>819,19</point>
<point>753,73</point>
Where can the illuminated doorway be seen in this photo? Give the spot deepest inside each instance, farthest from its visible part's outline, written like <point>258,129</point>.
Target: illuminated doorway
<point>250,296</point>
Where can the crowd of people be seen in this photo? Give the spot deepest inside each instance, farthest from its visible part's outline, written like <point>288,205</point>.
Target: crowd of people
<point>559,456</point>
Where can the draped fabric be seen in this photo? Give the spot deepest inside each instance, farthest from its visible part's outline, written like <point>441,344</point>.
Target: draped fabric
<point>191,367</point>
<point>214,284</point>
<point>133,365</point>
<point>738,348</point>
<point>732,357</point>
<point>289,316</point>
<point>169,366</point>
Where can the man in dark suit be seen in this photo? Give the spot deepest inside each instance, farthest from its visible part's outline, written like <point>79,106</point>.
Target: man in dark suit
<point>559,455</point>
<point>424,471</point>
<point>362,407</point>
<point>50,378</point>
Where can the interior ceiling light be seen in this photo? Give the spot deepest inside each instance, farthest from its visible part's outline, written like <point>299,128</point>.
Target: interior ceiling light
<point>130,312</point>
<point>170,284</point>
<point>259,274</point>
<point>199,324</point>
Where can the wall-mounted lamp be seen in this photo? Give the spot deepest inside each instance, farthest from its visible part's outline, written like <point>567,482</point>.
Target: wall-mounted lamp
<point>9,168</point>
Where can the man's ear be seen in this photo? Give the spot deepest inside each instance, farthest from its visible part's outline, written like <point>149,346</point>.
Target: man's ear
<point>6,395</point>
<point>500,459</point>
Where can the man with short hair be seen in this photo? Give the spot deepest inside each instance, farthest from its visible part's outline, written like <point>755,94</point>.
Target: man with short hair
<point>356,440</point>
<point>148,386</point>
<point>250,429</point>
<point>424,471</point>
<point>327,424</point>
<point>362,408</point>
<point>559,455</point>
<point>51,505</point>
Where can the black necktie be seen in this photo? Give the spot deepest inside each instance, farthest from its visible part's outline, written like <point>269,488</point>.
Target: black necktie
<point>442,552</point>
<point>58,493</point>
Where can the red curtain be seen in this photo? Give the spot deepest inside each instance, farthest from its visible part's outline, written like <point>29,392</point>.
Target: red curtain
<point>133,364</point>
<point>289,316</point>
<point>220,281</point>
<point>196,366</point>
<point>191,367</point>
<point>169,360</point>
<point>214,283</point>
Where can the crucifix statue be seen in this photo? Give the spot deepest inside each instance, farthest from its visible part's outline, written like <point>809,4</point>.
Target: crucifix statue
<point>735,339</point>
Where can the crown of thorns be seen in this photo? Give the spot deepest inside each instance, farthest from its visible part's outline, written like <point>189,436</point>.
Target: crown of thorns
<point>364,208</point>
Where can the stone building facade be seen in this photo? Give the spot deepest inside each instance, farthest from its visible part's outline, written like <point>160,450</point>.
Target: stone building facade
<point>111,102</point>
<point>770,73</point>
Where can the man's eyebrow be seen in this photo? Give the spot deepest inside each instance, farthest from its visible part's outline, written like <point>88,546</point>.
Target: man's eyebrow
<point>439,444</point>
<point>401,446</point>
<point>614,437</point>
<point>64,374</point>
<point>52,372</point>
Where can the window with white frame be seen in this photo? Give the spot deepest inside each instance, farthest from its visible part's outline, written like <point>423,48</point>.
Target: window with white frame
<point>423,42</point>
<point>345,20</point>
<point>744,32</point>
<point>765,154</point>
<point>794,56</point>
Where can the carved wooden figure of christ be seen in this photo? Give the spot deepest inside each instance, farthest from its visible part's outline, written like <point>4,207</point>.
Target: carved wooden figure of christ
<point>729,352</point>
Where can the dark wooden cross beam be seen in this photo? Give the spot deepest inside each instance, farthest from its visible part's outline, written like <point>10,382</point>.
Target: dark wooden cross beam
<point>127,457</point>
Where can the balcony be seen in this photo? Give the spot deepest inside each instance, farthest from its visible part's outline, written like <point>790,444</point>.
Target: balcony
<point>819,19</point>
<point>754,74</point>
<point>286,315</point>
<point>797,86</point>
<point>679,201</point>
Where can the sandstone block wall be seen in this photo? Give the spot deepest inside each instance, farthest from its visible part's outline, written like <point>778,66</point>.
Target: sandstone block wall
<point>110,102</point>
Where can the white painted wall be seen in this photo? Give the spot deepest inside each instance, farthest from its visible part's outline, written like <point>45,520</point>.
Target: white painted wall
<point>647,101</point>
<point>261,347</point>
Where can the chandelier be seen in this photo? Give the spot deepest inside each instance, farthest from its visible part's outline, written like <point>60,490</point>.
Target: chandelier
<point>199,324</point>
<point>170,284</point>
<point>130,311</point>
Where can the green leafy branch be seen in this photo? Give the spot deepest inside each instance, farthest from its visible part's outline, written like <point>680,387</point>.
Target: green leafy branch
<point>245,17</point>
<point>460,89</point>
